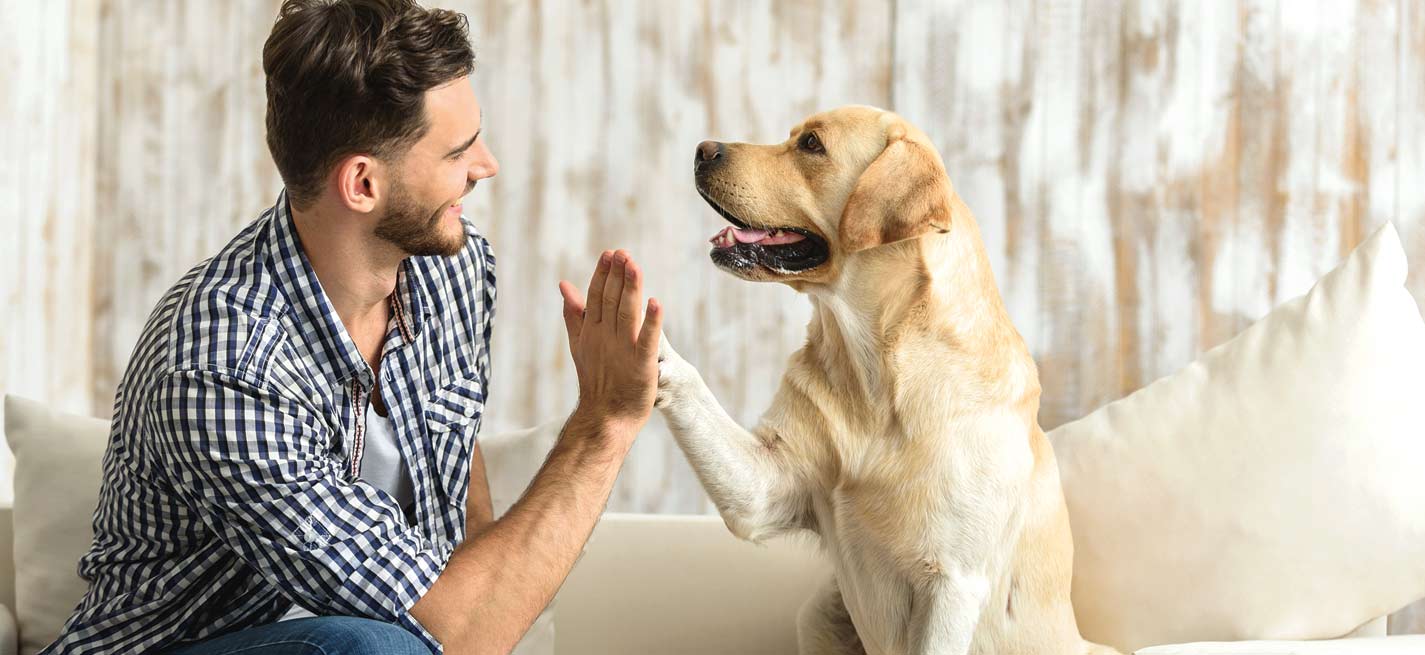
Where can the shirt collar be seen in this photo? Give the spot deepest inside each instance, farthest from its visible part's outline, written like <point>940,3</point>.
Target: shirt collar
<point>318,324</point>
<point>409,302</point>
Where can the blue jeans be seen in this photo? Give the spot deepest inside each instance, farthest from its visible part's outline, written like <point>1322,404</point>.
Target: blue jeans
<point>322,635</point>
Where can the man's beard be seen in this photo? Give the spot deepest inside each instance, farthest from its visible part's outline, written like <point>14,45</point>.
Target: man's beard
<point>416,230</point>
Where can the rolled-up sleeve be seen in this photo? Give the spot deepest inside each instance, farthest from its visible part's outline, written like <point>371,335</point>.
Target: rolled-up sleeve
<point>252,463</point>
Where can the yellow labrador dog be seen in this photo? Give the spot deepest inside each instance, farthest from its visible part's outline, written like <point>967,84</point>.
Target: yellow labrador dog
<point>904,433</point>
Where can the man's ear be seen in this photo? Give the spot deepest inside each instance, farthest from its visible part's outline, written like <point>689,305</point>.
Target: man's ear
<point>903,194</point>
<point>357,186</point>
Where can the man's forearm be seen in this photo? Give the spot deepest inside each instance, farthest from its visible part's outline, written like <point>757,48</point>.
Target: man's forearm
<point>499,580</point>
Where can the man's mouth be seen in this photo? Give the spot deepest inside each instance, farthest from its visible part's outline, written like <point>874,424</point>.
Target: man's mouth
<point>459,206</point>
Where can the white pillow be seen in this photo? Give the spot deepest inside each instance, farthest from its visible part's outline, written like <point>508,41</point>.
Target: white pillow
<point>1273,489</point>
<point>511,461</point>
<point>57,469</point>
<point>58,466</point>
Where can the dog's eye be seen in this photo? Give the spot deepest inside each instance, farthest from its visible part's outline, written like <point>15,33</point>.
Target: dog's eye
<point>810,143</point>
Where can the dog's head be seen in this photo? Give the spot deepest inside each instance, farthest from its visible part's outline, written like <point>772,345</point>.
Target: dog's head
<point>843,182</point>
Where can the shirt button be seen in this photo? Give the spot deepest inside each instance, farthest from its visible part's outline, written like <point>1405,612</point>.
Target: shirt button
<point>469,411</point>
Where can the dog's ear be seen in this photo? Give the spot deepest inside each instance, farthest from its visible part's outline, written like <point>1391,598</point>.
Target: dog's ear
<point>903,194</point>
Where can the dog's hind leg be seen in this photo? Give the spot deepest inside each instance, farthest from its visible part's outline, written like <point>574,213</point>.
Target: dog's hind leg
<point>824,626</point>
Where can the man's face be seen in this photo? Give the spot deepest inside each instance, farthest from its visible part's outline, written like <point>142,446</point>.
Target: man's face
<point>422,214</point>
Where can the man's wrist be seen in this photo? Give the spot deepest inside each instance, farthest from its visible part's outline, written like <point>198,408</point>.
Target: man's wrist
<point>593,425</point>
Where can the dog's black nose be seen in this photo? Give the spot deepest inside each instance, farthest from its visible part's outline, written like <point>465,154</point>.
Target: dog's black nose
<point>709,153</point>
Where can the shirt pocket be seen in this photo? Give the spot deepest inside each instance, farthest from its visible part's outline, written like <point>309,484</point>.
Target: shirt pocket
<point>453,416</point>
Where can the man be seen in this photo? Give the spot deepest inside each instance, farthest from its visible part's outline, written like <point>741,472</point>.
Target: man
<point>292,465</point>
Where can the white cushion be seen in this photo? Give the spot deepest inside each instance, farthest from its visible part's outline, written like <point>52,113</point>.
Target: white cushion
<point>511,460</point>
<point>9,632</point>
<point>660,583</point>
<point>1273,489</point>
<point>1402,645</point>
<point>684,584</point>
<point>57,469</point>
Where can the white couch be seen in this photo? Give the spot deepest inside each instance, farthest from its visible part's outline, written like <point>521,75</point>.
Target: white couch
<point>683,584</point>
<point>645,584</point>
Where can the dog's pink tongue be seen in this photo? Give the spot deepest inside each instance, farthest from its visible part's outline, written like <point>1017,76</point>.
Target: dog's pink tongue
<point>781,238</point>
<point>750,236</point>
<point>730,235</point>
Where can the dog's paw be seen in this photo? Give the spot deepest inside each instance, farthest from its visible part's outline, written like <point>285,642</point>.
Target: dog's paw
<point>674,373</point>
<point>670,383</point>
<point>665,349</point>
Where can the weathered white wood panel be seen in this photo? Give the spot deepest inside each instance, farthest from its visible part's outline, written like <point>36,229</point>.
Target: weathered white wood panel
<point>1153,176</point>
<point>47,126</point>
<point>182,157</point>
<point>1150,176</point>
<point>594,110</point>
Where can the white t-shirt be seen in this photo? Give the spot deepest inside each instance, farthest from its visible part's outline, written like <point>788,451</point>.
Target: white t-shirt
<point>383,467</point>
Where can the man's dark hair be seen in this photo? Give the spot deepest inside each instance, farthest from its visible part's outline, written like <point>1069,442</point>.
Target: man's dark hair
<point>350,76</point>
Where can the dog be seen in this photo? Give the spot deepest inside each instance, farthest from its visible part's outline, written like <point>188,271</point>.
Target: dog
<point>904,432</point>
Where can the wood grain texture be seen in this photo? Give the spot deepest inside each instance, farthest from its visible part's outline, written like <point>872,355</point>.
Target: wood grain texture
<point>594,110</point>
<point>1150,177</point>
<point>47,125</point>
<point>182,157</point>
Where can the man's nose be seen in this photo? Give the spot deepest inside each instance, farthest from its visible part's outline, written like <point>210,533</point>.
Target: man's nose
<point>484,167</point>
<point>710,154</point>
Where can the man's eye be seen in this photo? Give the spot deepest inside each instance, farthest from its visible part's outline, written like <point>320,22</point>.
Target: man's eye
<point>810,143</point>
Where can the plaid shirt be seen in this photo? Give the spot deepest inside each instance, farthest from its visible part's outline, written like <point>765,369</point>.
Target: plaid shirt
<point>230,486</point>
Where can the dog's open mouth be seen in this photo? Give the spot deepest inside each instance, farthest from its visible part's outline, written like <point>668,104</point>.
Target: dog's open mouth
<point>781,250</point>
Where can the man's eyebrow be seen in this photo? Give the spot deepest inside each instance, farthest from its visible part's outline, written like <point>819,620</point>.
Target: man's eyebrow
<point>464,146</point>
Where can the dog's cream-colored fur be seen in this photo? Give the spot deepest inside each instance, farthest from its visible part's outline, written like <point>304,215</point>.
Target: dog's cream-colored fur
<point>904,432</point>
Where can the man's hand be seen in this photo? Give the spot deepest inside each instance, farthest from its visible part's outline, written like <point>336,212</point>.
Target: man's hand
<point>500,578</point>
<point>615,349</point>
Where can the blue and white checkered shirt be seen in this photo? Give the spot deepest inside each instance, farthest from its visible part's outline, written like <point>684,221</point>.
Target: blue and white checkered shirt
<point>230,485</point>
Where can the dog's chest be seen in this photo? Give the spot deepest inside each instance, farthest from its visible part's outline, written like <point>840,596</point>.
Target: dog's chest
<point>903,493</point>
<point>880,490</point>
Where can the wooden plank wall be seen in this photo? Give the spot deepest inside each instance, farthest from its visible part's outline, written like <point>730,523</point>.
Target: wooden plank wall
<point>1149,176</point>
<point>595,109</point>
<point>48,77</point>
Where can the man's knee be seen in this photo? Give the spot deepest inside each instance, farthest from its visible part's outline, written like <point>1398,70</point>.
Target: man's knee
<point>333,635</point>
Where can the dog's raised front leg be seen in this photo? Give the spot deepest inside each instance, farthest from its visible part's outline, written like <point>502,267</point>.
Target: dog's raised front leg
<point>746,479</point>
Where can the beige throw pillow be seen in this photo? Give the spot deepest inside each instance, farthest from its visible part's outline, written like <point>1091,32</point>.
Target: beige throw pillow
<point>57,469</point>
<point>1274,488</point>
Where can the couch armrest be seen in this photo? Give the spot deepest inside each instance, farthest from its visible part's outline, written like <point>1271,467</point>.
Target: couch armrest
<point>9,633</point>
